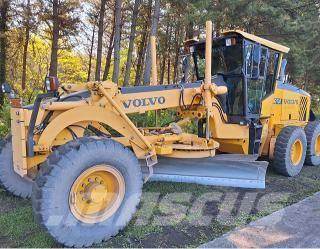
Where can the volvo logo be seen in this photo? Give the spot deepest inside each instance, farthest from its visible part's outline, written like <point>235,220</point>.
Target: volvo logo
<point>279,101</point>
<point>144,102</point>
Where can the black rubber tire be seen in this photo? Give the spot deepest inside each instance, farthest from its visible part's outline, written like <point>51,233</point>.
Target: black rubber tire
<point>312,132</point>
<point>51,190</point>
<point>10,180</point>
<point>282,153</point>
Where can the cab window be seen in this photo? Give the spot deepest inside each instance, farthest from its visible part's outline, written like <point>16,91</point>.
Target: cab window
<point>256,59</point>
<point>226,58</point>
<point>271,71</point>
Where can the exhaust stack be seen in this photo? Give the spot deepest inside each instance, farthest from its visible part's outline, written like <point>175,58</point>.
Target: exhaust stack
<point>207,80</point>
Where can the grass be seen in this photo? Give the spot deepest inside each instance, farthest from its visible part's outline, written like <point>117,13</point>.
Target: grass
<point>172,215</point>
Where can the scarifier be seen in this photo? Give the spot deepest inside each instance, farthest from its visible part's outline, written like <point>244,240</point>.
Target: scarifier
<point>84,161</point>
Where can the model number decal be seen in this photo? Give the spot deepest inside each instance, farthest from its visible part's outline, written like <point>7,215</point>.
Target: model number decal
<point>279,101</point>
<point>144,102</point>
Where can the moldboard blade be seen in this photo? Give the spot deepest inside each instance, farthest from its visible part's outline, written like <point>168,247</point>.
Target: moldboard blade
<point>238,171</point>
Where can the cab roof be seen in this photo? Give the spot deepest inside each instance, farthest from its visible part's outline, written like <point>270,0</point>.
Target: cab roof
<point>262,41</point>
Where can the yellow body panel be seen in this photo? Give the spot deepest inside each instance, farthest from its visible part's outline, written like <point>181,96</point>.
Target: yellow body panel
<point>234,146</point>
<point>18,131</point>
<point>285,107</point>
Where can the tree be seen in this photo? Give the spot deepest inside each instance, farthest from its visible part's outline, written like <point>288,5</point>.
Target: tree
<point>142,48</point>
<point>100,37</point>
<point>53,71</point>
<point>91,52</point>
<point>62,22</point>
<point>27,25</point>
<point>4,6</point>
<point>131,41</point>
<point>117,38</point>
<point>30,24</point>
<point>109,54</point>
<point>164,55</point>
<point>154,29</point>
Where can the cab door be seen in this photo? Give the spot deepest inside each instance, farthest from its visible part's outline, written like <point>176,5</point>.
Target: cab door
<point>256,61</point>
<point>255,67</point>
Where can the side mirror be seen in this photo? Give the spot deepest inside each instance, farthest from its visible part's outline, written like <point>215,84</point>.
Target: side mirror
<point>6,88</point>
<point>51,84</point>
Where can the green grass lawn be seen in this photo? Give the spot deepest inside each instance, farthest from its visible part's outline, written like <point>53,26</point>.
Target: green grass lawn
<point>172,215</point>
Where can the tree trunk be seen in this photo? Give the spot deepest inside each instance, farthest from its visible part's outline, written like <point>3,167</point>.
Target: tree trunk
<point>169,69</point>
<point>91,52</point>
<point>4,5</point>
<point>109,54</point>
<point>169,55</point>
<point>164,57</point>
<point>100,38</point>
<point>117,38</point>
<point>141,54</point>
<point>177,53</point>
<point>53,71</point>
<point>143,45</point>
<point>154,28</point>
<point>189,30</point>
<point>131,41</point>
<point>218,27</point>
<point>25,47</point>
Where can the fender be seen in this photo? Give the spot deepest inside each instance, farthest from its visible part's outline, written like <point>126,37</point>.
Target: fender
<point>87,114</point>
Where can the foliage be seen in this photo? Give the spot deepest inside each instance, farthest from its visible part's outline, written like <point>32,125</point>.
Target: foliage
<point>154,119</point>
<point>4,119</point>
<point>293,23</point>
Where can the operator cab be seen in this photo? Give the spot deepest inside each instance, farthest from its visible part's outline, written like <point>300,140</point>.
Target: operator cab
<point>246,67</point>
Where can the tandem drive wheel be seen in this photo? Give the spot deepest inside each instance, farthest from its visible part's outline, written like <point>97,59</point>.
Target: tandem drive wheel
<point>313,138</point>
<point>290,151</point>
<point>87,191</point>
<point>11,181</point>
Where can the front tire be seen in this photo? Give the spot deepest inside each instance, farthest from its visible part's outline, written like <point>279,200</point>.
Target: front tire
<point>313,143</point>
<point>12,182</point>
<point>87,191</point>
<point>290,151</point>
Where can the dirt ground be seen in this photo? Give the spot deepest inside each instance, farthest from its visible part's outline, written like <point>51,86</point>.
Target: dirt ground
<point>172,215</point>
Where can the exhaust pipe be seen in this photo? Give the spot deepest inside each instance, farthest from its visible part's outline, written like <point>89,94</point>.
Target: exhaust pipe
<point>207,81</point>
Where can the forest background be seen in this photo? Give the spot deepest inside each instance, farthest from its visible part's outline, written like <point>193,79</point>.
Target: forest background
<point>83,40</point>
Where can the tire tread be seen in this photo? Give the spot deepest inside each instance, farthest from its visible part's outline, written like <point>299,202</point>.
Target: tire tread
<point>52,165</point>
<point>280,162</point>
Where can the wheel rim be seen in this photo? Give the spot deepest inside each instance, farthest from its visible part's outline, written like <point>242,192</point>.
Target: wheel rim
<point>317,146</point>
<point>97,194</point>
<point>296,152</point>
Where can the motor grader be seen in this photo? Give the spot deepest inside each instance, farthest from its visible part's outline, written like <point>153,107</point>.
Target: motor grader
<point>83,161</point>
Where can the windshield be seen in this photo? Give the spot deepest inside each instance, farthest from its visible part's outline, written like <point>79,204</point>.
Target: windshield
<point>227,58</point>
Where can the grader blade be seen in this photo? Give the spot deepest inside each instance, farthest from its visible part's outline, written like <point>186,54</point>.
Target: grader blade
<point>221,170</point>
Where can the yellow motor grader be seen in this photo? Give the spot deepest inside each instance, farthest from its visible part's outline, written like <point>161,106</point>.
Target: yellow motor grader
<point>83,161</point>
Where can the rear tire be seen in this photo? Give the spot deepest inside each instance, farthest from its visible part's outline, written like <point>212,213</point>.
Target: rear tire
<point>12,182</point>
<point>290,151</point>
<point>313,143</point>
<point>54,202</point>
